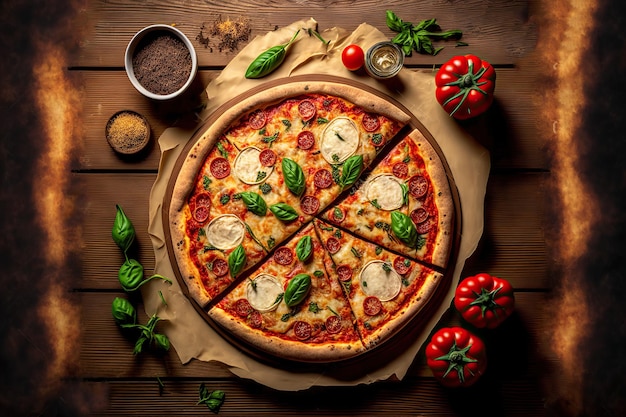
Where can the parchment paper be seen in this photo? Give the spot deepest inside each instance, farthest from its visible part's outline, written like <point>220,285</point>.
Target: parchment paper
<point>189,334</point>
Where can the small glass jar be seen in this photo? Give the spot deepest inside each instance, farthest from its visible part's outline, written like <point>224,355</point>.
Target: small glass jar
<point>384,60</point>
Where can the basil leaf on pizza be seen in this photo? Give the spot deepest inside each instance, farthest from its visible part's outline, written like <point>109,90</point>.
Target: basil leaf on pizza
<point>237,260</point>
<point>294,176</point>
<point>351,170</point>
<point>284,212</point>
<point>403,228</point>
<point>297,289</point>
<point>254,202</point>
<point>304,248</point>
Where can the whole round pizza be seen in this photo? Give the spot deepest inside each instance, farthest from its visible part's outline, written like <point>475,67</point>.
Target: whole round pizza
<point>311,220</point>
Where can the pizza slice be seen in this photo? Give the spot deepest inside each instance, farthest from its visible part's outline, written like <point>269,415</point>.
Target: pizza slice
<point>291,307</point>
<point>385,290</point>
<point>404,203</point>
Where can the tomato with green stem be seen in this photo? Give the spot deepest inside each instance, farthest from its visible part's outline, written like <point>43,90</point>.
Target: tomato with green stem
<point>484,301</point>
<point>465,85</point>
<point>456,357</point>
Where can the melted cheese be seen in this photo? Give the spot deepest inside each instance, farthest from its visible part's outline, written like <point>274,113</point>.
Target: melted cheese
<point>263,292</point>
<point>380,282</point>
<point>340,140</point>
<point>225,231</point>
<point>247,166</point>
<point>386,191</point>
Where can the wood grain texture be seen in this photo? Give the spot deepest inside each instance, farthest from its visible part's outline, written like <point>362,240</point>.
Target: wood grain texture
<point>513,243</point>
<point>106,352</point>
<point>501,31</point>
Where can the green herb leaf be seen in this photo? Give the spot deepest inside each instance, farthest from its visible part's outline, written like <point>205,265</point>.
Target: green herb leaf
<point>222,150</point>
<point>123,232</point>
<point>314,308</point>
<point>255,203</point>
<point>130,275</point>
<point>237,260</point>
<point>269,60</point>
<point>265,188</point>
<point>404,229</point>
<point>123,311</point>
<point>352,168</point>
<point>297,289</point>
<point>224,199</point>
<point>294,176</point>
<point>304,248</point>
<point>284,212</point>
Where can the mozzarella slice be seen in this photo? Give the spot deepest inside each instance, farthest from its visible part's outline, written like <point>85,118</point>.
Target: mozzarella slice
<point>340,140</point>
<point>225,231</point>
<point>380,281</point>
<point>263,292</point>
<point>385,191</point>
<point>248,168</point>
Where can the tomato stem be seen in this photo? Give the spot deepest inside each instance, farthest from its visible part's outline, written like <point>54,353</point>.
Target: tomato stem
<point>486,301</point>
<point>457,359</point>
<point>466,83</point>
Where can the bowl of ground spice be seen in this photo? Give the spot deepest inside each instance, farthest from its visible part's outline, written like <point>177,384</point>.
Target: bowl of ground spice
<point>161,62</point>
<point>127,132</point>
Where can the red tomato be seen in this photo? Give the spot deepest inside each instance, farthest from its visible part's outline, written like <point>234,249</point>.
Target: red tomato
<point>353,57</point>
<point>484,300</point>
<point>465,86</point>
<point>456,357</point>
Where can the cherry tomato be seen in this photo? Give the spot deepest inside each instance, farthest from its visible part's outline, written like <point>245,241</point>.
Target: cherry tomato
<point>353,57</point>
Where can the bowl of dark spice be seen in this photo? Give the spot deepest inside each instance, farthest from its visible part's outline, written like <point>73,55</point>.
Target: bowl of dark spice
<point>161,62</point>
<point>127,132</point>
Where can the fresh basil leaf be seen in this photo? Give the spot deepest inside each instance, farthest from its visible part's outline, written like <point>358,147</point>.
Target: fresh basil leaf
<point>123,232</point>
<point>393,21</point>
<point>269,60</point>
<point>284,212</point>
<point>404,229</point>
<point>351,170</point>
<point>161,341</point>
<point>130,275</point>
<point>255,203</point>
<point>236,260</point>
<point>123,311</point>
<point>297,289</point>
<point>294,176</point>
<point>304,248</point>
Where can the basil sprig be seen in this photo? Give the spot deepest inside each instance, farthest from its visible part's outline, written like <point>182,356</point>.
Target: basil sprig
<point>254,202</point>
<point>284,212</point>
<point>294,176</point>
<point>123,232</point>
<point>404,229</point>
<point>418,37</point>
<point>269,60</point>
<point>351,170</point>
<point>130,276</point>
<point>236,260</point>
<point>212,399</point>
<point>304,248</point>
<point>297,289</point>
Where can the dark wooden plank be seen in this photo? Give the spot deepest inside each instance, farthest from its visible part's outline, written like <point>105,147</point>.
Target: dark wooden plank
<point>501,31</point>
<point>105,352</point>
<point>512,246</point>
<point>510,129</point>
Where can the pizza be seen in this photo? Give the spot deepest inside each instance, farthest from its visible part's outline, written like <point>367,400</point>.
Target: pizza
<point>311,221</point>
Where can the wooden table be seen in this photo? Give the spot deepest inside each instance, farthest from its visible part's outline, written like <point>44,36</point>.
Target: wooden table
<point>111,381</point>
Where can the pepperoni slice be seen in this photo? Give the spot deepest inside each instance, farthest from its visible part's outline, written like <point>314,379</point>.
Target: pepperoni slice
<point>243,307</point>
<point>333,244</point>
<point>283,256</point>
<point>267,157</point>
<point>310,204</point>
<point>257,119</point>
<point>306,140</point>
<point>333,324</point>
<point>372,306</point>
<point>201,214</point>
<point>401,265</point>
<point>220,168</point>
<point>424,227</point>
<point>255,319</point>
<point>323,178</point>
<point>203,199</point>
<point>220,267</point>
<point>302,330</point>
<point>418,186</point>
<point>370,122</point>
<point>337,215</point>
<point>400,170</point>
<point>419,215</point>
<point>307,109</point>
<point>344,272</point>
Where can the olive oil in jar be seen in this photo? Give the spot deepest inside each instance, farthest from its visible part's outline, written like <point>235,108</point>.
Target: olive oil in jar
<point>384,60</point>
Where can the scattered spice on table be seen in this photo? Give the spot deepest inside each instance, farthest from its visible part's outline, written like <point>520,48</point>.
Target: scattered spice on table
<point>162,63</point>
<point>229,33</point>
<point>127,132</point>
